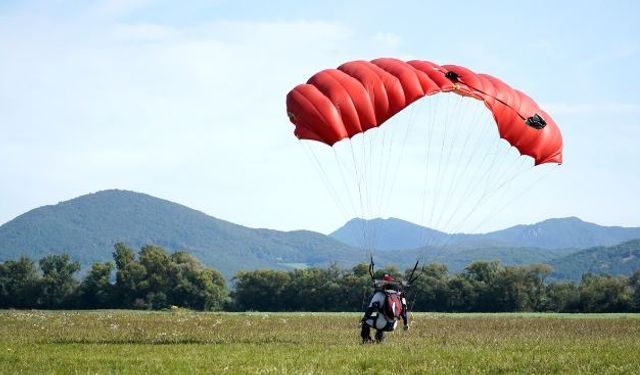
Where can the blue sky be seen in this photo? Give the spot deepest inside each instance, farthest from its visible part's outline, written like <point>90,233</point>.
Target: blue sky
<point>185,100</point>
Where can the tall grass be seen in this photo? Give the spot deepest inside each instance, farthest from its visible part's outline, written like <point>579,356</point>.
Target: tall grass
<point>305,343</point>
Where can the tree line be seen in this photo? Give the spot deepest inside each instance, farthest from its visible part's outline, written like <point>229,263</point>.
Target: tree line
<point>150,279</point>
<point>154,279</point>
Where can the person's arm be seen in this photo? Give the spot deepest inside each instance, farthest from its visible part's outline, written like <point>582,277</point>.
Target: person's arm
<point>374,305</point>
<point>403,315</point>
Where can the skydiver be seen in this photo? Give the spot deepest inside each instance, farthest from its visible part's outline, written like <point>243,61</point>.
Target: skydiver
<point>386,306</point>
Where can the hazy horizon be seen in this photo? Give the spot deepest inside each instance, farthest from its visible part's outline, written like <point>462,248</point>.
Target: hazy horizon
<point>340,225</point>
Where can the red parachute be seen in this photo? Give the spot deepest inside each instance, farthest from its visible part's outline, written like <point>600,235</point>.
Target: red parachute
<point>336,104</point>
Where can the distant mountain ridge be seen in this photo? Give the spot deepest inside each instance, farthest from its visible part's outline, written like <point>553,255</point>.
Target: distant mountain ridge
<point>87,227</point>
<point>396,234</point>
<point>621,259</point>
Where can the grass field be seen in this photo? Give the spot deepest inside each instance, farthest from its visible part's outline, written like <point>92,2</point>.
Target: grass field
<point>308,343</point>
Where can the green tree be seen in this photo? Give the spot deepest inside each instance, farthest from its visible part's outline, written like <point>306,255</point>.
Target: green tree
<point>262,290</point>
<point>131,284</point>
<point>535,278</point>
<point>57,285</point>
<point>193,285</point>
<point>482,276</point>
<point>156,262</point>
<point>19,283</point>
<point>562,297</point>
<point>123,255</point>
<point>461,294</point>
<point>356,288</point>
<point>605,293</point>
<point>430,290</point>
<point>316,289</point>
<point>95,290</point>
<point>634,284</point>
<point>508,291</point>
<point>518,288</point>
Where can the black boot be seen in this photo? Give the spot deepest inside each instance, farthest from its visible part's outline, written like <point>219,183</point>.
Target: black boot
<point>379,336</point>
<point>365,333</point>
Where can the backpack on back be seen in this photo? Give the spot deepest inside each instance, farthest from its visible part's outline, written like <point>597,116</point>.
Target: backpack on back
<point>392,308</point>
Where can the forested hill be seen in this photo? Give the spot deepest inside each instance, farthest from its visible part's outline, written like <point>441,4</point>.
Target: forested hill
<point>563,233</point>
<point>87,227</point>
<point>622,259</point>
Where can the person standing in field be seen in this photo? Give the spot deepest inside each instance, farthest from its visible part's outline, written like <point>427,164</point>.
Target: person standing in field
<point>387,306</point>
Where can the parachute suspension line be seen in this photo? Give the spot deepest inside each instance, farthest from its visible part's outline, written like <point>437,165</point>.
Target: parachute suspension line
<point>324,177</point>
<point>390,160</point>
<point>365,175</point>
<point>467,154</point>
<point>430,125</point>
<point>366,166</point>
<point>361,165</point>
<point>478,183</point>
<point>484,180</point>
<point>466,193</point>
<point>369,186</point>
<point>377,140</point>
<point>503,176</point>
<point>456,154</point>
<point>528,188</point>
<point>400,156</point>
<point>380,163</point>
<point>509,173</point>
<point>438,184</point>
<point>482,127</point>
<point>384,160</point>
<point>499,184</point>
<point>340,167</point>
<point>458,123</point>
<point>486,198</point>
<point>436,193</point>
<point>390,165</point>
<point>494,165</point>
<point>452,121</point>
<point>359,184</point>
<point>371,182</point>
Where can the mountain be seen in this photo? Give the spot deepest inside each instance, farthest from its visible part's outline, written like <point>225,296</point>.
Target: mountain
<point>386,234</point>
<point>622,259</point>
<point>565,233</point>
<point>567,263</point>
<point>87,227</point>
<point>456,259</point>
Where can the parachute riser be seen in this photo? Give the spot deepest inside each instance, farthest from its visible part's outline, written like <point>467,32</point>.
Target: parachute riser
<point>404,284</point>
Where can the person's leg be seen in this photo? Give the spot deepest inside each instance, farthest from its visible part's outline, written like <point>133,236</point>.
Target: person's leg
<point>379,335</point>
<point>365,333</point>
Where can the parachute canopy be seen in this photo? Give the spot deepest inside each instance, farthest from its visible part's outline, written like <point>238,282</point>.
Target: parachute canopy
<point>340,103</point>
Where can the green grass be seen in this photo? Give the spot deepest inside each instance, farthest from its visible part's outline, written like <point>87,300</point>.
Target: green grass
<point>307,343</point>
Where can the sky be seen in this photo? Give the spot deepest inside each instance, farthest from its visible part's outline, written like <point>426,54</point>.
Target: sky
<point>185,100</point>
